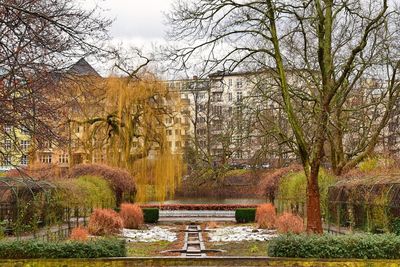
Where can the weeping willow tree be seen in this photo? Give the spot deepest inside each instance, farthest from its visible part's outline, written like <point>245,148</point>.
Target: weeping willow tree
<point>133,124</point>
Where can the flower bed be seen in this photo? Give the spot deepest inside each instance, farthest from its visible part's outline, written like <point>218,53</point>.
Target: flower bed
<point>240,233</point>
<point>153,234</point>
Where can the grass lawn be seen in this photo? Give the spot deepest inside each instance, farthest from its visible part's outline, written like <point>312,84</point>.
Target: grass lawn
<point>148,249</point>
<point>244,248</point>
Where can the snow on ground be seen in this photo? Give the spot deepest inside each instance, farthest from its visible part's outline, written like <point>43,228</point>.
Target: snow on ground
<point>153,234</point>
<point>240,233</point>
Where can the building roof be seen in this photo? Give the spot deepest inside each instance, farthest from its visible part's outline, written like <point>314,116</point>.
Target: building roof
<point>82,67</point>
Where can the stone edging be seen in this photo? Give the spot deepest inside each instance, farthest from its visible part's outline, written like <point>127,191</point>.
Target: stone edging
<point>202,261</point>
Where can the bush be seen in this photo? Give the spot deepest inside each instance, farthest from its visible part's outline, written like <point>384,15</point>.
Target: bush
<point>245,215</point>
<point>151,215</point>
<point>120,180</point>
<point>289,223</point>
<point>98,193</point>
<point>131,215</point>
<point>32,249</point>
<point>105,222</point>
<point>359,246</point>
<point>79,234</point>
<point>266,216</point>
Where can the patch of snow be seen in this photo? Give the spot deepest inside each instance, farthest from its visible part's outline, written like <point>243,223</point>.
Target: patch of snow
<point>153,234</point>
<point>240,233</point>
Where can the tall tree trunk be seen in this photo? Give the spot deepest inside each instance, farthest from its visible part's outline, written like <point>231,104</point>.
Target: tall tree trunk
<point>314,223</point>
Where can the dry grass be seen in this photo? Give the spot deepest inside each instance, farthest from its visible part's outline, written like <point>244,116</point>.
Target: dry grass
<point>105,222</point>
<point>132,215</point>
<point>79,234</point>
<point>266,216</point>
<point>289,223</point>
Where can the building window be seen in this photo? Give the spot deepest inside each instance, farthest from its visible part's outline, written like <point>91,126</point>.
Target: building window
<point>230,96</point>
<point>7,160</point>
<point>230,82</point>
<point>7,128</point>
<point>169,132</point>
<point>239,96</point>
<point>202,120</point>
<point>218,125</point>
<point>230,111</point>
<point>177,132</point>
<point>178,144</point>
<point>7,144</point>
<point>239,83</point>
<point>24,160</point>
<point>63,158</point>
<point>168,120</point>
<point>170,144</point>
<point>217,110</point>
<point>24,145</point>
<point>201,131</point>
<point>45,158</point>
<point>217,97</point>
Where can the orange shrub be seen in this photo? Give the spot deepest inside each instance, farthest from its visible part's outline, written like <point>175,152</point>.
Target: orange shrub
<point>289,223</point>
<point>79,234</point>
<point>266,216</point>
<point>132,215</point>
<point>104,222</point>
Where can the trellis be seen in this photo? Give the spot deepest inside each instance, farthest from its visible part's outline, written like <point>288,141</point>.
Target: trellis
<point>23,200</point>
<point>369,204</point>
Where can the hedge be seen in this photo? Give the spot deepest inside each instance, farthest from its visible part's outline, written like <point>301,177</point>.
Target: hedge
<point>356,246</point>
<point>151,215</point>
<point>32,249</point>
<point>245,215</point>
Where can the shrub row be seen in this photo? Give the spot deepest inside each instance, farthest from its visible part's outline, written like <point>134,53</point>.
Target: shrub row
<point>199,206</point>
<point>33,249</point>
<point>245,215</point>
<point>151,215</point>
<point>358,246</point>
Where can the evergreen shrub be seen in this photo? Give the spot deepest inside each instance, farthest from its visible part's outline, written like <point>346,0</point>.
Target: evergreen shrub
<point>356,246</point>
<point>32,249</point>
<point>245,215</point>
<point>151,215</point>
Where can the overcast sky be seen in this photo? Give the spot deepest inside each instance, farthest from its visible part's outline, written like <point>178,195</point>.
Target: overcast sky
<point>137,22</point>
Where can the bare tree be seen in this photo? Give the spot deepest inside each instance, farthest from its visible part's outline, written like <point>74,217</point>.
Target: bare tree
<point>39,39</point>
<point>329,41</point>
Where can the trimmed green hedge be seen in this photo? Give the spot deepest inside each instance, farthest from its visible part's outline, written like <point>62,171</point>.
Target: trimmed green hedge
<point>33,249</point>
<point>245,215</point>
<point>151,215</point>
<point>357,246</point>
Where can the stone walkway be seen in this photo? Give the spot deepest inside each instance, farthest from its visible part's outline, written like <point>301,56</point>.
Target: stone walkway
<point>196,215</point>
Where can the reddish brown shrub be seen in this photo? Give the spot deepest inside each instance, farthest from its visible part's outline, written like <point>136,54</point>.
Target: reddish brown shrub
<point>266,216</point>
<point>289,223</point>
<point>37,171</point>
<point>79,234</point>
<point>132,215</point>
<point>105,222</point>
<point>120,180</point>
<point>269,181</point>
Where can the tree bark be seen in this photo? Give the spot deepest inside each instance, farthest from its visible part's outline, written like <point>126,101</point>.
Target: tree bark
<point>314,223</point>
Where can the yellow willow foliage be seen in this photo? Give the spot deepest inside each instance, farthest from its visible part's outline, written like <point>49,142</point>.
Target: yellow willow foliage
<point>137,135</point>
